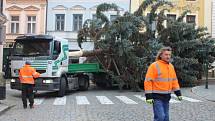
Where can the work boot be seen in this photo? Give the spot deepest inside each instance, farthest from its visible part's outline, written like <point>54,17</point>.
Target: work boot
<point>31,106</point>
<point>24,106</point>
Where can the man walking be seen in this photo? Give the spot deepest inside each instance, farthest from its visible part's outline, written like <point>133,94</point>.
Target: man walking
<point>26,76</point>
<point>159,82</point>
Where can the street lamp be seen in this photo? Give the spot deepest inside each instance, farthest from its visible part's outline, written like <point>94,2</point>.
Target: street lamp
<point>204,54</point>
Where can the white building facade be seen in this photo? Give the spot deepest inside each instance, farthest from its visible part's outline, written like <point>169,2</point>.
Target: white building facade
<point>66,17</point>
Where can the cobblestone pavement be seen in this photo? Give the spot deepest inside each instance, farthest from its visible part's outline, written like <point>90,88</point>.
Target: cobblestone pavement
<point>105,105</point>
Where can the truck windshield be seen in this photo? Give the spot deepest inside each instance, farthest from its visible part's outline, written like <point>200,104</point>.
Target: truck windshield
<point>32,48</point>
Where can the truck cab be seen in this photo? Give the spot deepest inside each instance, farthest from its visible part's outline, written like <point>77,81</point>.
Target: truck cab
<point>49,55</point>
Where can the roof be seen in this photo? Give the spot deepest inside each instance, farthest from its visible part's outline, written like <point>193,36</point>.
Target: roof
<point>48,37</point>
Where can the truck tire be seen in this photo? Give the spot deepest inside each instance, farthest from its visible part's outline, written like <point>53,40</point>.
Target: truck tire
<point>62,88</point>
<point>101,80</point>
<point>84,79</point>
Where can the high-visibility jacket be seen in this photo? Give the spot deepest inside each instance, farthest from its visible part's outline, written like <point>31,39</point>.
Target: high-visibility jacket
<point>27,74</point>
<point>161,79</point>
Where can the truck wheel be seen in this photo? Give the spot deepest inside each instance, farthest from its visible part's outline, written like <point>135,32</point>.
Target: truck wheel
<point>83,82</point>
<point>101,80</point>
<point>62,89</point>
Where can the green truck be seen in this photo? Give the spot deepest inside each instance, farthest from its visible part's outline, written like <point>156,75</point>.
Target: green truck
<point>50,56</point>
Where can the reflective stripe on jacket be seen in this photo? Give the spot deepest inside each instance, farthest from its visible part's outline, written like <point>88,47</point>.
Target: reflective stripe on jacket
<point>27,74</point>
<point>161,78</point>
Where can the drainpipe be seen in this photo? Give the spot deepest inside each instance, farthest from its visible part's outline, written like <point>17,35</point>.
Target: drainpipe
<point>46,16</point>
<point>2,38</point>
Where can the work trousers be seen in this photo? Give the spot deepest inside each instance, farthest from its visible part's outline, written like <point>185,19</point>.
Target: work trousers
<point>161,110</point>
<point>27,92</point>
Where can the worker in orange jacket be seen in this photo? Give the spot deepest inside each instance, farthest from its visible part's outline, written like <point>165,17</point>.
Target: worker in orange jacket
<point>159,82</point>
<point>27,74</point>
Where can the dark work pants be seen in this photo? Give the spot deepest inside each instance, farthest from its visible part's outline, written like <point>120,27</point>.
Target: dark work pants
<point>27,92</point>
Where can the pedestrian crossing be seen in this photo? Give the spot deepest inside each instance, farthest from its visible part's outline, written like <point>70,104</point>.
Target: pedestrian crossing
<point>187,98</point>
<point>126,100</point>
<point>82,100</point>
<point>60,101</point>
<point>104,100</point>
<point>109,100</point>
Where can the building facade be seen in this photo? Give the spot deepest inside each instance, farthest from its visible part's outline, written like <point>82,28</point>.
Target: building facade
<point>24,17</point>
<point>65,18</point>
<point>197,8</point>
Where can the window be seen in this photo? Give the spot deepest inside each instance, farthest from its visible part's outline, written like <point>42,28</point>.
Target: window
<point>31,24</point>
<point>113,17</point>
<point>94,17</point>
<point>32,47</point>
<point>59,22</point>
<point>14,24</point>
<point>57,49</point>
<point>171,16</point>
<point>191,19</point>
<point>148,15</point>
<point>77,21</point>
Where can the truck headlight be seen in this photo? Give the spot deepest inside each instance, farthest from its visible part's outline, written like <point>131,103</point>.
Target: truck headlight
<point>12,80</point>
<point>48,81</point>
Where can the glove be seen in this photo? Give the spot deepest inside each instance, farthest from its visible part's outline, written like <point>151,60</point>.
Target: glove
<point>180,98</point>
<point>150,101</point>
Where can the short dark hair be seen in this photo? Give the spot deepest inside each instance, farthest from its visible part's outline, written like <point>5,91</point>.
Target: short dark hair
<point>28,63</point>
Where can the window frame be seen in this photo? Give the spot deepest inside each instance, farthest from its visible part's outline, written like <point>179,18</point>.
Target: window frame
<point>170,15</point>
<point>15,30</point>
<point>31,22</point>
<point>190,16</point>
<point>60,21</point>
<point>78,26</point>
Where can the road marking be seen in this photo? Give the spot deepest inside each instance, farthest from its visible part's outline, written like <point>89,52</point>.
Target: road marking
<point>126,100</point>
<point>82,100</point>
<point>188,99</point>
<point>38,101</point>
<point>60,101</point>
<point>104,100</point>
<point>144,99</point>
<point>174,101</point>
<point>140,97</point>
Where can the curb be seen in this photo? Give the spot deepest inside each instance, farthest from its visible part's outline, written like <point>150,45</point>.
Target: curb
<point>201,95</point>
<point>6,109</point>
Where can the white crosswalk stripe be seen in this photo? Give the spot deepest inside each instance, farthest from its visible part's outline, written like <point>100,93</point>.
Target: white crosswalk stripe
<point>104,100</point>
<point>187,99</point>
<point>126,100</point>
<point>174,101</point>
<point>82,100</point>
<point>60,101</point>
<point>190,99</point>
<point>144,99</point>
<point>38,101</point>
<point>140,97</point>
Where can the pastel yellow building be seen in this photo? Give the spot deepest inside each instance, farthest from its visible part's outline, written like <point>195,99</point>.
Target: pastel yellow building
<point>208,13</point>
<point>24,17</point>
<point>197,8</point>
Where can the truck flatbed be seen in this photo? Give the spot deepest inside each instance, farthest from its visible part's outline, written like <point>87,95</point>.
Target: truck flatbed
<point>85,68</point>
